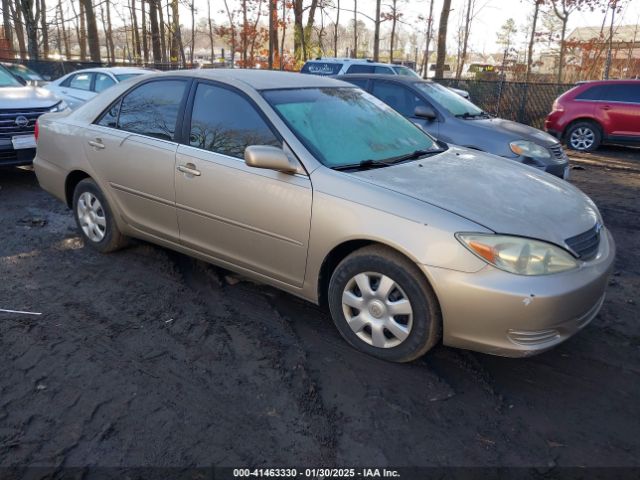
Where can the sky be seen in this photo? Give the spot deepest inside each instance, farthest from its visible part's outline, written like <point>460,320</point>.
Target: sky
<point>490,16</point>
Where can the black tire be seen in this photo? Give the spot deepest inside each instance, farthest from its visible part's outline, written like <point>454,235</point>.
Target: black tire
<point>584,136</point>
<point>112,238</point>
<point>426,323</point>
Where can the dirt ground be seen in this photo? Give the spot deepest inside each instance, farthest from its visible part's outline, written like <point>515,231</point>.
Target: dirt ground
<point>146,357</point>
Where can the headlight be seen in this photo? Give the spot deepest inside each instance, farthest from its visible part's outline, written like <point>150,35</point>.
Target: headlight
<point>529,149</point>
<point>522,256</point>
<point>59,107</point>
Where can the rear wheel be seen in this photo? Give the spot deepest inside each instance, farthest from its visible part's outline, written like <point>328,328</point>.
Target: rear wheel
<point>95,219</point>
<point>584,136</point>
<point>382,305</point>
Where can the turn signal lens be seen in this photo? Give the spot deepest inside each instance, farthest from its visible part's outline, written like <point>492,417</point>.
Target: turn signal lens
<point>522,256</point>
<point>36,131</point>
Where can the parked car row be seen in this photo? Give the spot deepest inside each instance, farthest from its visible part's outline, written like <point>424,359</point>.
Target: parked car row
<point>321,189</point>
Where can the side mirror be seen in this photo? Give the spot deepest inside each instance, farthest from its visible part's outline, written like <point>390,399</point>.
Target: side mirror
<point>271,158</point>
<point>422,111</point>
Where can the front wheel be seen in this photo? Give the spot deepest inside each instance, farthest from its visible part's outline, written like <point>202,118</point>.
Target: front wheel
<point>584,136</point>
<point>382,305</point>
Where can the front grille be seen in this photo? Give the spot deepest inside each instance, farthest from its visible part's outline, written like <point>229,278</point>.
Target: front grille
<point>558,152</point>
<point>8,125</point>
<point>586,244</point>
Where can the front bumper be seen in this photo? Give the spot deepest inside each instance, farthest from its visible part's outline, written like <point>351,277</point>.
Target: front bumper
<point>12,158</point>
<point>499,313</point>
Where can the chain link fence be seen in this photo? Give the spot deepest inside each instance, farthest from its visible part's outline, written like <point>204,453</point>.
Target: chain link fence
<point>527,103</point>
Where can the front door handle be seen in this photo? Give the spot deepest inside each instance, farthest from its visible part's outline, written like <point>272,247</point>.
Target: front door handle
<point>97,144</point>
<point>189,169</point>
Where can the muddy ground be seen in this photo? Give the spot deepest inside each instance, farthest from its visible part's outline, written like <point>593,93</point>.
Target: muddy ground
<point>146,357</point>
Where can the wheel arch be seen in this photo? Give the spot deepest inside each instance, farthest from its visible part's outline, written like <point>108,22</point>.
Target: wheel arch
<point>339,253</point>
<point>73,178</point>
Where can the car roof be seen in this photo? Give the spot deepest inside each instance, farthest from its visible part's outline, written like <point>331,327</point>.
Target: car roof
<point>260,79</point>
<point>114,70</point>
<point>358,61</point>
<point>608,82</point>
<point>392,78</point>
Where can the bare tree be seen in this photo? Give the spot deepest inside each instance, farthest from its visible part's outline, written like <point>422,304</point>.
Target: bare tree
<point>376,32</point>
<point>466,30</point>
<point>16,13</point>
<point>155,31</point>
<point>210,23</point>
<point>6,22</point>
<point>92,30</point>
<point>442,38</point>
<point>44,28</point>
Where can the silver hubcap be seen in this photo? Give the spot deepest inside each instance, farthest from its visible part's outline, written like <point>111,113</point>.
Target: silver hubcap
<point>377,310</point>
<point>582,138</point>
<point>91,216</point>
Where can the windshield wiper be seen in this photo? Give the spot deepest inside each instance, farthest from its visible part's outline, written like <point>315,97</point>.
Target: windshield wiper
<point>367,164</point>
<point>473,115</point>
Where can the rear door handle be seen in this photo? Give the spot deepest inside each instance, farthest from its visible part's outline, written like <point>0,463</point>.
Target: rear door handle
<point>189,169</point>
<point>97,144</point>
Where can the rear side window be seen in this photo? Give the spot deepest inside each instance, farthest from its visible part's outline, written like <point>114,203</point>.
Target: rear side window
<point>321,68</point>
<point>103,82</point>
<point>361,69</point>
<point>626,93</point>
<point>384,70</point>
<point>397,97</point>
<point>597,92</point>
<point>81,81</point>
<point>225,122</point>
<point>152,109</point>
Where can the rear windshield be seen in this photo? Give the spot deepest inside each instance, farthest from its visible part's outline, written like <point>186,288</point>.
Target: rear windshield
<point>321,68</point>
<point>124,76</point>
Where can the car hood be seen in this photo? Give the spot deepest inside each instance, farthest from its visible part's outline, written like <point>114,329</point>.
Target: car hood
<point>26,97</point>
<point>515,130</point>
<point>499,194</point>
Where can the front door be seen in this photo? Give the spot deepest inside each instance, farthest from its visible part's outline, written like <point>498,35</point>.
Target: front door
<point>253,218</point>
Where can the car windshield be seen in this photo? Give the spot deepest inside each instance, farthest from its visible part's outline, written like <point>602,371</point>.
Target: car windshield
<point>123,76</point>
<point>8,80</point>
<point>406,72</point>
<point>454,103</point>
<point>346,126</point>
<point>24,72</point>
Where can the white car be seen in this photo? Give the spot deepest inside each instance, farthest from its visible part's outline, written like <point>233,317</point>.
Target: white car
<point>77,87</point>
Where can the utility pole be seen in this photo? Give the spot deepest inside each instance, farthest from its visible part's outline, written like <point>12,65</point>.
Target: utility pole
<point>607,67</point>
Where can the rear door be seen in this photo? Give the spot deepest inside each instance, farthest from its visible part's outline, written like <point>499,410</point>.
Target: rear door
<point>77,89</point>
<point>253,218</point>
<point>133,146</point>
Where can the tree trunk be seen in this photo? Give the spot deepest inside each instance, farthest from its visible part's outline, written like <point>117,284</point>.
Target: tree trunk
<point>213,54</point>
<point>273,33</point>
<point>376,33</point>
<point>354,54</point>
<point>145,44</point>
<point>82,39</point>
<point>65,36</point>
<point>106,35</point>
<point>563,32</point>
<point>163,43</point>
<point>536,10</point>
<point>155,32</point>
<point>442,38</point>
<point>284,31</point>
<point>137,50</point>
<point>233,34</point>
<point>92,31</point>
<point>175,34</point>
<point>298,30</point>
<point>394,20</point>
<point>45,29</point>
<point>306,41</point>
<point>193,32</point>
<point>335,32</point>
<point>425,63</point>
<point>6,22</point>
<point>112,46</point>
<point>30,19</point>
<point>465,39</point>
<point>16,13</point>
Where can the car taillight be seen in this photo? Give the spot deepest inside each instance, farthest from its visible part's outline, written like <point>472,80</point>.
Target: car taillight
<point>35,131</point>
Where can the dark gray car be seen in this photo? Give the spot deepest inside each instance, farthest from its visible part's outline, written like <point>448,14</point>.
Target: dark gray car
<point>453,119</point>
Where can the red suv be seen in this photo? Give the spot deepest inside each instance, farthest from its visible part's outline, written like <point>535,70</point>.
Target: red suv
<point>593,113</point>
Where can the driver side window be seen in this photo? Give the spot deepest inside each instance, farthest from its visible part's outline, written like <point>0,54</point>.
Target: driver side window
<point>398,97</point>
